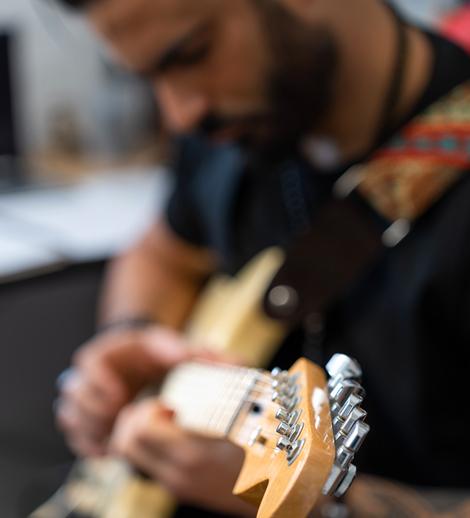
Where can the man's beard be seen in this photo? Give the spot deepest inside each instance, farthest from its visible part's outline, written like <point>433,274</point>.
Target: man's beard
<point>298,86</point>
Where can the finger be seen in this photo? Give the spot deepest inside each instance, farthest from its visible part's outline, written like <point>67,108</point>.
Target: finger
<point>140,438</point>
<point>94,369</point>
<point>146,432</point>
<point>147,425</point>
<point>72,419</point>
<point>85,446</point>
<point>81,389</point>
<point>166,346</point>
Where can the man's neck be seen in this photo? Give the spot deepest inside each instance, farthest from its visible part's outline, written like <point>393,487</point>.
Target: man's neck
<point>368,42</point>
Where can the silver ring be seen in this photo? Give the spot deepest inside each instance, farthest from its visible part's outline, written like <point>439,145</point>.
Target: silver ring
<point>64,376</point>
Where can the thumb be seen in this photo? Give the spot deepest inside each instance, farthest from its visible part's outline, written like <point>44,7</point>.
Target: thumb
<point>166,347</point>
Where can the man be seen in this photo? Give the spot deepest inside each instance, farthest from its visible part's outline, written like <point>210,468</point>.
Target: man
<point>307,88</point>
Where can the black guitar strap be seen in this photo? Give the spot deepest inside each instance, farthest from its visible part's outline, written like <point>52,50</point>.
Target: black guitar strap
<point>400,182</point>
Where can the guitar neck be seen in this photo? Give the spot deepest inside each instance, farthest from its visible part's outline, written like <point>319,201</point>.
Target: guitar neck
<point>208,397</point>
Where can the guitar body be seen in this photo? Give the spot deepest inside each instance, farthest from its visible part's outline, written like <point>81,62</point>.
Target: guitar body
<point>229,317</point>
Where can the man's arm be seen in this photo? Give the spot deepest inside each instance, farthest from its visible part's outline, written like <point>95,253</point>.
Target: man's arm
<point>374,497</point>
<point>159,278</point>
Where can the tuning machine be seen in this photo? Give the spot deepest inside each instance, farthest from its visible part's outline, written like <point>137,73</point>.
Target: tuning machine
<point>286,394</point>
<point>290,419</point>
<point>349,429</point>
<point>291,448</point>
<point>343,471</point>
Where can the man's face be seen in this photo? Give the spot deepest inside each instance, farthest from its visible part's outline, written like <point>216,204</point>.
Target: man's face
<point>234,69</point>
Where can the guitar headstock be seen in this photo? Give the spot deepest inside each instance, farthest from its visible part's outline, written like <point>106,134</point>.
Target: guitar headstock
<point>288,439</point>
<point>305,432</point>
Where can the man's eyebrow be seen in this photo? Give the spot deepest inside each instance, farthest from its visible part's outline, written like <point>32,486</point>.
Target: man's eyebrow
<point>172,53</point>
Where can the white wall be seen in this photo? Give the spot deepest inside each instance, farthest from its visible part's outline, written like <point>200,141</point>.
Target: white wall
<point>57,64</point>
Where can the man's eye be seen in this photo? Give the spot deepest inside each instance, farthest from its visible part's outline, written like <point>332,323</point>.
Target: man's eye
<point>193,57</point>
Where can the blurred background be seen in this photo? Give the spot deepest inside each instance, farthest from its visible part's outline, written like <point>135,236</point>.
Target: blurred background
<point>82,174</point>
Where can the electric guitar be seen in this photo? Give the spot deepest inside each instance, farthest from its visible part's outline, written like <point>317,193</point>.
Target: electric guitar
<point>283,420</point>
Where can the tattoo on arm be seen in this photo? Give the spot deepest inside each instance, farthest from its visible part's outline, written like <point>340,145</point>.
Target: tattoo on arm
<point>372,497</point>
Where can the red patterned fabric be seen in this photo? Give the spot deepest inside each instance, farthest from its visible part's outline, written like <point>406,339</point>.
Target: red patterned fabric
<point>415,168</point>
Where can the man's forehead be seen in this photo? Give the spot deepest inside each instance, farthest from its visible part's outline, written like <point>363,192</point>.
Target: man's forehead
<point>135,27</point>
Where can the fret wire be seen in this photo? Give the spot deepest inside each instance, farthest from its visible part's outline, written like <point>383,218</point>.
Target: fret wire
<point>220,380</point>
<point>241,386</point>
<point>240,406</point>
<point>221,388</point>
<point>227,379</point>
<point>216,366</point>
<point>226,399</point>
<point>237,391</point>
<point>226,396</point>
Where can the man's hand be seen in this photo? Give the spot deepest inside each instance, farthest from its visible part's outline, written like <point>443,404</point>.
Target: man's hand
<point>198,470</point>
<point>106,374</point>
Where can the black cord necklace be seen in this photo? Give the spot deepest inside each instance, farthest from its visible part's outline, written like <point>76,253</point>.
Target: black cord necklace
<point>388,120</point>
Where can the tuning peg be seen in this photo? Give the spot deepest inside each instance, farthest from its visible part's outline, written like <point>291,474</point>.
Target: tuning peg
<point>356,436</point>
<point>341,392</point>
<point>347,481</point>
<point>284,444</point>
<point>291,404</point>
<point>343,365</point>
<point>290,419</point>
<point>287,390</point>
<point>292,380</point>
<point>279,386</point>
<point>334,479</point>
<point>278,374</point>
<point>353,401</point>
<point>357,414</point>
<point>344,456</point>
<point>290,432</point>
<point>282,415</point>
<point>291,391</point>
<point>284,429</point>
<point>281,400</point>
<point>294,417</point>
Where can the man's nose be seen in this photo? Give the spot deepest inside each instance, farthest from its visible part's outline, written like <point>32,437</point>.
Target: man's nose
<point>183,108</point>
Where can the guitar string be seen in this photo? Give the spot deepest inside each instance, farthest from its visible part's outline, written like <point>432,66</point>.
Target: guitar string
<point>229,396</point>
<point>228,382</point>
<point>233,397</point>
<point>226,378</point>
<point>207,419</point>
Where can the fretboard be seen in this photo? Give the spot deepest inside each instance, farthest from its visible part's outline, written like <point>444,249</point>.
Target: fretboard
<point>208,397</point>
